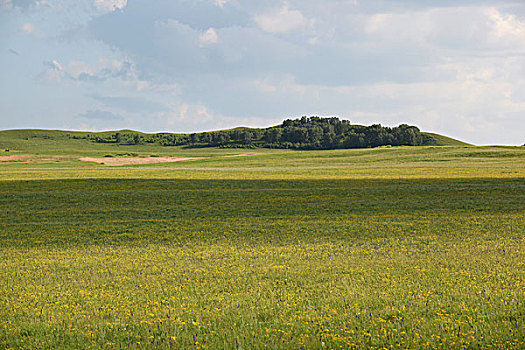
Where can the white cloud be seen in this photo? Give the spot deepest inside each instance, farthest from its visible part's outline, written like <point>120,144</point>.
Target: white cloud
<point>377,22</point>
<point>506,27</point>
<point>196,117</point>
<point>208,37</point>
<point>28,28</point>
<point>475,28</point>
<point>53,71</point>
<point>187,116</point>
<point>221,3</point>
<point>282,20</point>
<point>110,5</point>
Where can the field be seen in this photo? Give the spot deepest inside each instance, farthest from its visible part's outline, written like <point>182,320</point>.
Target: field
<point>405,247</point>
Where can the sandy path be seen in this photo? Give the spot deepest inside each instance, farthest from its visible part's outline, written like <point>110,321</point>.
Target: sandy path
<point>136,160</point>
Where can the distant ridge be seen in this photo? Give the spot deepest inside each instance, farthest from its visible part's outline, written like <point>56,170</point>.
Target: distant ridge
<point>307,133</point>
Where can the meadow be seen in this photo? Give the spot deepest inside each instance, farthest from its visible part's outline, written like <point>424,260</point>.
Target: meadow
<point>403,247</point>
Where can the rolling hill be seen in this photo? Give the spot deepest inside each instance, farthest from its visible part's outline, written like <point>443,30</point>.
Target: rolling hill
<point>306,134</point>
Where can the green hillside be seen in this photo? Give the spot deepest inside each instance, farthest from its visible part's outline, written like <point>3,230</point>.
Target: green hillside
<point>433,139</point>
<point>302,134</point>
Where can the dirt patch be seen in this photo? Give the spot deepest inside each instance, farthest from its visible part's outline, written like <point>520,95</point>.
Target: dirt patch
<point>31,159</point>
<point>243,155</point>
<point>112,161</point>
<point>10,159</point>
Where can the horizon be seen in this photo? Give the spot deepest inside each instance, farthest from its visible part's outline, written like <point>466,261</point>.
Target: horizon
<point>185,67</point>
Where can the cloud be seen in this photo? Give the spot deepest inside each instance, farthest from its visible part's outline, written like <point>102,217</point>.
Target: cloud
<point>101,70</point>
<point>281,20</point>
<point>29,5</point>
<point>506,27</point>
<point>99,114</point>
<point>110,5</point>
<point>111,73</point>
<point>208,37</point>
<point>487,29</point>
<point>191,117</point>
<point>445,65</point>
<point>53,71</point>
<point>187,115</point>
<point>28,28</point>
<point>221,3</point>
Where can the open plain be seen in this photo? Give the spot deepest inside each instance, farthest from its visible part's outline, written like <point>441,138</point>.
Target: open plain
<point>401,247</point>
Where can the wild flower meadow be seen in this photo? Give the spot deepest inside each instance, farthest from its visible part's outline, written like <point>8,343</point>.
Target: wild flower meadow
<point>357,256</point>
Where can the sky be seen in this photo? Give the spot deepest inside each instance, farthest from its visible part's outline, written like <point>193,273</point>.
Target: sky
<point>455,67</point>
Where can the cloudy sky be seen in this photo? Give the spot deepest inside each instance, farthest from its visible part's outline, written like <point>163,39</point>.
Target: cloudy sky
<point>455,67</point>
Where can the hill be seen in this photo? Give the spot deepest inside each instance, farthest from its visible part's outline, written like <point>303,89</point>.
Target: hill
<point>432,139</point>
<point>306,133</point>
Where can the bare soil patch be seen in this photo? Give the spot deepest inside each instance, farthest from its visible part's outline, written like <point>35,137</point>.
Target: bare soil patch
<point>10,159</point>
<point>31,159</point>
<point>112,161</point>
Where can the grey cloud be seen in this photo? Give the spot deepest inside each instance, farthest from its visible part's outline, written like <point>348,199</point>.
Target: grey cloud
<point>124,72</point>
<point>99,114</point>
<point>89,77</point>
<point>197,14</point>
<point>166,44</point>
<point>172,47</point>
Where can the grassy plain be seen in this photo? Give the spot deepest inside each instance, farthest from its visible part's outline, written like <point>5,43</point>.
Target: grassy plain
<point>419,247</point>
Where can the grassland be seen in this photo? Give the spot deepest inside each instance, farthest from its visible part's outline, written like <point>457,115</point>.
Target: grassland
<point>410,247</point>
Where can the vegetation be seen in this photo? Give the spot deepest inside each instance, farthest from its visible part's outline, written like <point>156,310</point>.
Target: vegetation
<point>401,247</point>
<point>305,133</point>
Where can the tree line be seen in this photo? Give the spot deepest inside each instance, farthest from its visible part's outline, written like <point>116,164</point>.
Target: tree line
<point>306,133</point>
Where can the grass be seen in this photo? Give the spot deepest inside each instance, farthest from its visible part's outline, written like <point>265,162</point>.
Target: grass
<point>61,143</point>
<point>380,248</point>
<point>441,140</point>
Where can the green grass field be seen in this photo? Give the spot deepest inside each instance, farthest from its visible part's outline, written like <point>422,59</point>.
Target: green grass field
<point>409,247</point>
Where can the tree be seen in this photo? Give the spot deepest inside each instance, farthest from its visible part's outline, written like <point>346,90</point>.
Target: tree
<point>194,138</point>
<point>117,137</point>
<point>273,135</point>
